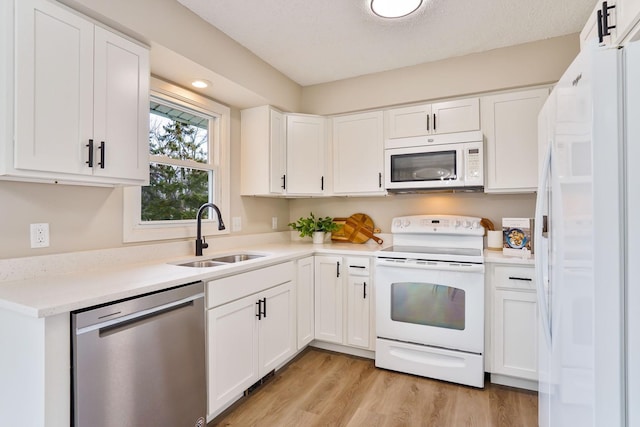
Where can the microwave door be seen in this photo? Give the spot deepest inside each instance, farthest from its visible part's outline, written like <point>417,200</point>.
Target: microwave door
<point>409,168</point>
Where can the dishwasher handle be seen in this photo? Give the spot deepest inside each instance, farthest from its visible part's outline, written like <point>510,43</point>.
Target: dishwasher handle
<point>140,315</point>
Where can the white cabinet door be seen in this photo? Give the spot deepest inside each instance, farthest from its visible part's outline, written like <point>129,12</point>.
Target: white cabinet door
<point>515,334</point>
<point>305,296</point>
<point>358,153</point>
<point>54,88</point>
<point>408,121</point>
<point>442,117</point>
<point>456,116</point>
<point>328,299</point>
<point>359,292</point>
<point>277,327</point>
<point>627,15</point>
<point>232,351</point>
<point>121,107</point>
<point>306,146</point>
<point>262,152</point>
<point>510,125</point>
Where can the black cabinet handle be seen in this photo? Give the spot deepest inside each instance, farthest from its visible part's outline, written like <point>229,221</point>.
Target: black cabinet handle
<point>338,269</point>
<point>434,122</point>
<point>526,279</point>
<point>357,266</point>
<point>322,183</point>
<point>379,179</point>
<point>364,290</point>
<point>101,148</point>
<point>428,117</point>
<point>603,21</point>
<point>90,160</point>
<point>262,308</point>
<point>284,182</point>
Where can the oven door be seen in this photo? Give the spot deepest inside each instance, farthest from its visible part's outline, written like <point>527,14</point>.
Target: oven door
<point>438,304</point>
<point>437,166</point>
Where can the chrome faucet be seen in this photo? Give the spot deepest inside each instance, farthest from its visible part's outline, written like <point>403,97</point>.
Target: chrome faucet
<point>200,242</point>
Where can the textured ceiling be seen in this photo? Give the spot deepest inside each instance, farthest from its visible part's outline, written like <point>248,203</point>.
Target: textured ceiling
<point>320,41</point>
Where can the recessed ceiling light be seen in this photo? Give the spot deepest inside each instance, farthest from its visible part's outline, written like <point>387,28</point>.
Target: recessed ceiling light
<point>200,84</point>
<point>394,8</point>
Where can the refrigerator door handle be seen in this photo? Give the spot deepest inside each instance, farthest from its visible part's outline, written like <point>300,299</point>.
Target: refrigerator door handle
<point>540,230</point>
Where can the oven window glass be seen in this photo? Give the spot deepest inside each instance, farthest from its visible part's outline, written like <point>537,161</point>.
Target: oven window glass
<point>428,304</point>
<point>433,166</point>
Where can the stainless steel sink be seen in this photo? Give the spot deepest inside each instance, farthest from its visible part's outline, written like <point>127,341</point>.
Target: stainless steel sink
<point>202,264</point>
<point>220,260</point>
<point>235,258</point>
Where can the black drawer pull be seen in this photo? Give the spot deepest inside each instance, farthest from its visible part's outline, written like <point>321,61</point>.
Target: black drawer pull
<point>526,279</point>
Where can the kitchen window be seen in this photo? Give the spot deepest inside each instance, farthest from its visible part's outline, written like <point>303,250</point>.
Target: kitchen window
<point>189,166</point>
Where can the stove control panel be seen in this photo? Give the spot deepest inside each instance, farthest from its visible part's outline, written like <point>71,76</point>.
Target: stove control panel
<point>437,224</point>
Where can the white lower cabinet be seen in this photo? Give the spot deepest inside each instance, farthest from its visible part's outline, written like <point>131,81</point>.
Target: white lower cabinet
<point>305,296</point>
<point>343,301</point>
<point>250,336</point>
<point>514,330</point>
<point>359,293</point>
<point>329,296</point>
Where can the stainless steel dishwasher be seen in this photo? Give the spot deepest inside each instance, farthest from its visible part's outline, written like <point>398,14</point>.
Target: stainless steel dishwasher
<point>141,361</point>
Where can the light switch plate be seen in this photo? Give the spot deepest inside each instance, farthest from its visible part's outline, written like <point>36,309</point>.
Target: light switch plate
<point>236,223</point>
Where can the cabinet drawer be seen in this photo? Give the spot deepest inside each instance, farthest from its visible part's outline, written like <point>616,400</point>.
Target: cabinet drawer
<point>231,288</point>
<point>514,277</point>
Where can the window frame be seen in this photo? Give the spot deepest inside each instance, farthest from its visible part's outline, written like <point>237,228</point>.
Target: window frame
<point>136,230</point>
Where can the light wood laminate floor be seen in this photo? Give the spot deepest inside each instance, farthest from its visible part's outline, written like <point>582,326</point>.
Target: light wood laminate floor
<point>321,388</point>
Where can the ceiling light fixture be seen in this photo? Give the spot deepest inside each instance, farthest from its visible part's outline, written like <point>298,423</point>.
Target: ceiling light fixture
<point>200,84</point>
<point>394,8</point>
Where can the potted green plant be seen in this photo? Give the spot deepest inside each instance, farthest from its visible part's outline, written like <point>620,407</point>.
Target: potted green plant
<point>314,227</point>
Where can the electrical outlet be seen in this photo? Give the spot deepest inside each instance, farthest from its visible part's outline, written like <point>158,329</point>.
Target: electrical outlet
<point>40,235</point>
<point>274,223</point>
<point>236,223</point>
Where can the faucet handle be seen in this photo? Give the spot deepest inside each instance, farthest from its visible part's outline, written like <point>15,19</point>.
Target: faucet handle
<point>205,245</point>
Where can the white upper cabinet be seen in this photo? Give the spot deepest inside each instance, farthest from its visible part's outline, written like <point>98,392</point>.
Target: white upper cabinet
<point>510,126</point>
<point>82,100</point>
<point>443,117</point>
<point>263,152</point>
<point>612,22</point>
<point>282,154</point>
<point>306,152</point>
<point>358,154</point>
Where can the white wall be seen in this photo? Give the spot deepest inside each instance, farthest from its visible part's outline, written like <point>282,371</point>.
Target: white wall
<point>524,65</point>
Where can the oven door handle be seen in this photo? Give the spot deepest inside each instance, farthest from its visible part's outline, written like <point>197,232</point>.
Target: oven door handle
<point>461,267</point>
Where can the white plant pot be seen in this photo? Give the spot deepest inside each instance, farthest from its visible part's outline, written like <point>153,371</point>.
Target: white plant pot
<point>318,237</point>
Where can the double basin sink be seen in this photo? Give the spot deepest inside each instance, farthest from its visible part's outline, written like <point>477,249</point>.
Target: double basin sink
<point>221,260</point>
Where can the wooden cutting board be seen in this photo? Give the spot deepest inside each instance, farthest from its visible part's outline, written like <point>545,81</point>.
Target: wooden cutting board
<point>358,228</point>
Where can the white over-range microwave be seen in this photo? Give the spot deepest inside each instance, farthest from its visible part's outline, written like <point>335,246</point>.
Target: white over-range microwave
<point>435,162</point>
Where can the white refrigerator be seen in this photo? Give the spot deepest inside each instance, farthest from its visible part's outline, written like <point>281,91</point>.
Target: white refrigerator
<point>586,228</point>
